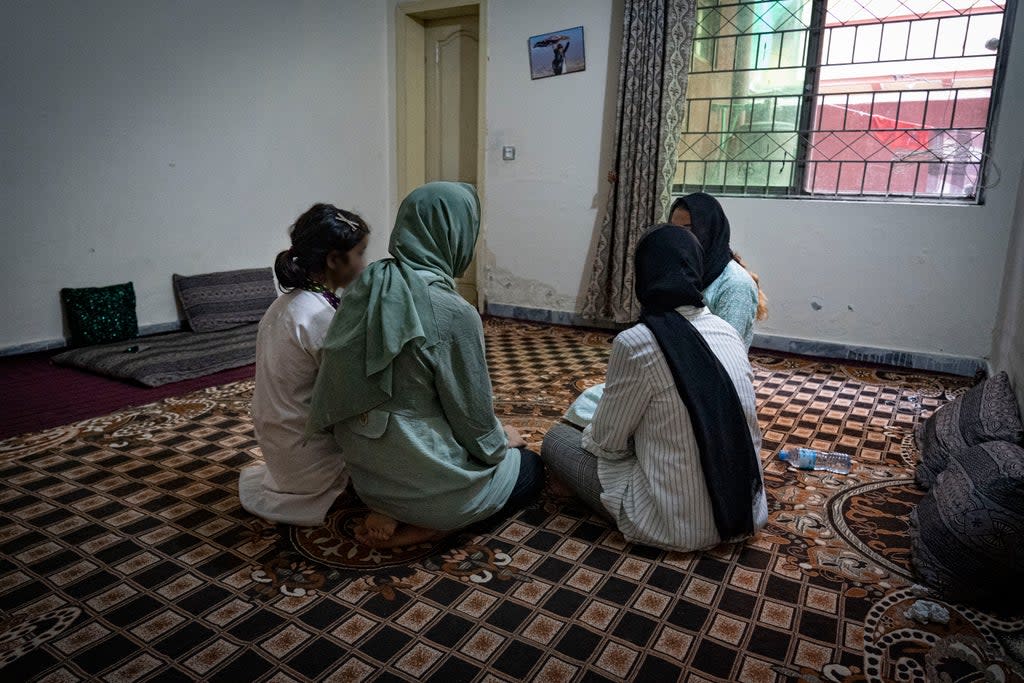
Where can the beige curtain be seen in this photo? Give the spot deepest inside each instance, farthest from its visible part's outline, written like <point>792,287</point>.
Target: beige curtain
<point>656,40</point>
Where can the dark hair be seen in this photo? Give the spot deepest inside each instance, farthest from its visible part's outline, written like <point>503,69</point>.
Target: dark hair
<point>679,203</point>
<point>762,300</point>
<point>322,229</point>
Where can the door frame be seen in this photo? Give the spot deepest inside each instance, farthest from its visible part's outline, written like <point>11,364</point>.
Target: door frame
<point>410,107</point>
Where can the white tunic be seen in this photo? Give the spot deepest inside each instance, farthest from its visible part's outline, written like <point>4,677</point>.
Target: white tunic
<point>298,480</point>
<point>648,460</point>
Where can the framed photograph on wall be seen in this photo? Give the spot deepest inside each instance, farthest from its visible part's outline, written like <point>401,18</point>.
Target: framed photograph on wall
<point>557,53</point>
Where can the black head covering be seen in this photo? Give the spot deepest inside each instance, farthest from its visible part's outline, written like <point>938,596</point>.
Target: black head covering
<point>668,275</point>
<point>668,269</point>
<point>710,225</point>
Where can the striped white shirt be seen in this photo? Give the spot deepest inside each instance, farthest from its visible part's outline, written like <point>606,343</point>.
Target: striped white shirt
<point>648,460</point>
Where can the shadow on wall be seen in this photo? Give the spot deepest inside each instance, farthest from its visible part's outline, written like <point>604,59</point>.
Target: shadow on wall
<point>602,191</point>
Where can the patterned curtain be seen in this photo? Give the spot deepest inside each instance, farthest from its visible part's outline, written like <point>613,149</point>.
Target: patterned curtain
<point>656,40</point>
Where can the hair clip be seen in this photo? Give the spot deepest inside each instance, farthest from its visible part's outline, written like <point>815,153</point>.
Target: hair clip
<point>341,217</point>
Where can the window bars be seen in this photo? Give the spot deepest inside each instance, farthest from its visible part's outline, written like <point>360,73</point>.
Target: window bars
<point>842,98</point>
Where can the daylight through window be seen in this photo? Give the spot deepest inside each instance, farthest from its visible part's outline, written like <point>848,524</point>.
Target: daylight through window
<point>841,98</point>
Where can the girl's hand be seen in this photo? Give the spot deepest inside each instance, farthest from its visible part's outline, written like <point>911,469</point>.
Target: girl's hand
<point>514,439</point>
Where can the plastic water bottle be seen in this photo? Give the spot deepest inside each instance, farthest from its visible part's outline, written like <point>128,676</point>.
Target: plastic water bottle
<point>810,459</point>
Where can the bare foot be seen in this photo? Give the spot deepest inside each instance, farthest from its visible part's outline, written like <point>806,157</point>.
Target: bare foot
<point>379,527</point>
<point>405,534</point>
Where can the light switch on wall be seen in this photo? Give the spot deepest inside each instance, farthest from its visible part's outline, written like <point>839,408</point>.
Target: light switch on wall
<point>508,153</point>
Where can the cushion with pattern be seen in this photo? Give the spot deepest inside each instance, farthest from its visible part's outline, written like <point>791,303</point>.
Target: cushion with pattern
<point>967,535</point>
<point>97,315</point>
<point>217,301</point>
<point>987,412</point>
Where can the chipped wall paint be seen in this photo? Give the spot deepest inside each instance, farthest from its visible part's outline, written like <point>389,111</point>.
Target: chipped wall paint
<point>543,208</point>
<point>505,287</point>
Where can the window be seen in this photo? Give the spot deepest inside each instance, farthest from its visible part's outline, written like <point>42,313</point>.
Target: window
<point>841,98</point>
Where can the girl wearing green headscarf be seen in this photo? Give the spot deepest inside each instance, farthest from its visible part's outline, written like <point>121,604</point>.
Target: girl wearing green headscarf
<point>403,384</point>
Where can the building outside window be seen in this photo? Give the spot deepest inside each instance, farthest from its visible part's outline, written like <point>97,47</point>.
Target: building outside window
<point>842,98</point>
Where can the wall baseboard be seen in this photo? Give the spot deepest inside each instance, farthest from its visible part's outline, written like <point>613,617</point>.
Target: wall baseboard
<point>914,360</point>
<point>541,315</point>
<point>50,344</point>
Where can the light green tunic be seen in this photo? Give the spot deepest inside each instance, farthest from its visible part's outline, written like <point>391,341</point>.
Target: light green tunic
<point>435,455</point>
<point>733,298</point>
<point>403,383</point>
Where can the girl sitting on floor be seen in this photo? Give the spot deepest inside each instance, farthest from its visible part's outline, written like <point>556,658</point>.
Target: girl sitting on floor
<point>672,452</point>
<point>729,289</point>
<point>298,480</point>
<point>404,386</point>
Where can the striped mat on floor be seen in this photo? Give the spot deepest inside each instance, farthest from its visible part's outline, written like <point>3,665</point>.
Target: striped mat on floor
<point>162,359</point>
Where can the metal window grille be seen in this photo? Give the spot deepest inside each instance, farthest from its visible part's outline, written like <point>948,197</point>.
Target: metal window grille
<point>842,98</point>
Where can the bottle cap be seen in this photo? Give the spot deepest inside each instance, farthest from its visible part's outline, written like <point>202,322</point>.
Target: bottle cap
<point>784,455</point>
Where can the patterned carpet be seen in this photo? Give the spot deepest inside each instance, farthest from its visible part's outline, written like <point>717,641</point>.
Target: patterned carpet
<point>124,556</point>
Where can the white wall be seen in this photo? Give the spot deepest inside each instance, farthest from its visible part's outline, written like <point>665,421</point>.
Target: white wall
<point>895,276</point>
<point>146,137</point>
<point>544,207</point>
<point>1008,346</point>
<point>154,137</point>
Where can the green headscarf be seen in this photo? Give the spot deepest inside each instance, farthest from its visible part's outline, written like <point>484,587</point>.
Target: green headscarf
<point>389,306</point>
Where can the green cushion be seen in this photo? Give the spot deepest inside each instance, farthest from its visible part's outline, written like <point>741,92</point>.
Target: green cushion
<point>100,314</point>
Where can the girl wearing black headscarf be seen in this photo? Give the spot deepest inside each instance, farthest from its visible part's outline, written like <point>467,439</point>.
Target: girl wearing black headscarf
<point>672,452</point>
<point>730,290</point>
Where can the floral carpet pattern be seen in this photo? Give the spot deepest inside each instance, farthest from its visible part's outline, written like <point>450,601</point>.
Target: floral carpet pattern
<point>124,556</point>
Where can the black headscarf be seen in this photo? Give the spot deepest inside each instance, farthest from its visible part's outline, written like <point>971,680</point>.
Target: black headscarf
<point>668,275</point>
<point>710,225</point>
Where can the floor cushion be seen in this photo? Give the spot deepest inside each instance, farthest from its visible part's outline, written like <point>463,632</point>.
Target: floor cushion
<point>217,301</point>
<point>967,534</point>
<point>987,412</point>
<point>161,359</point>
<point>97,315</point>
